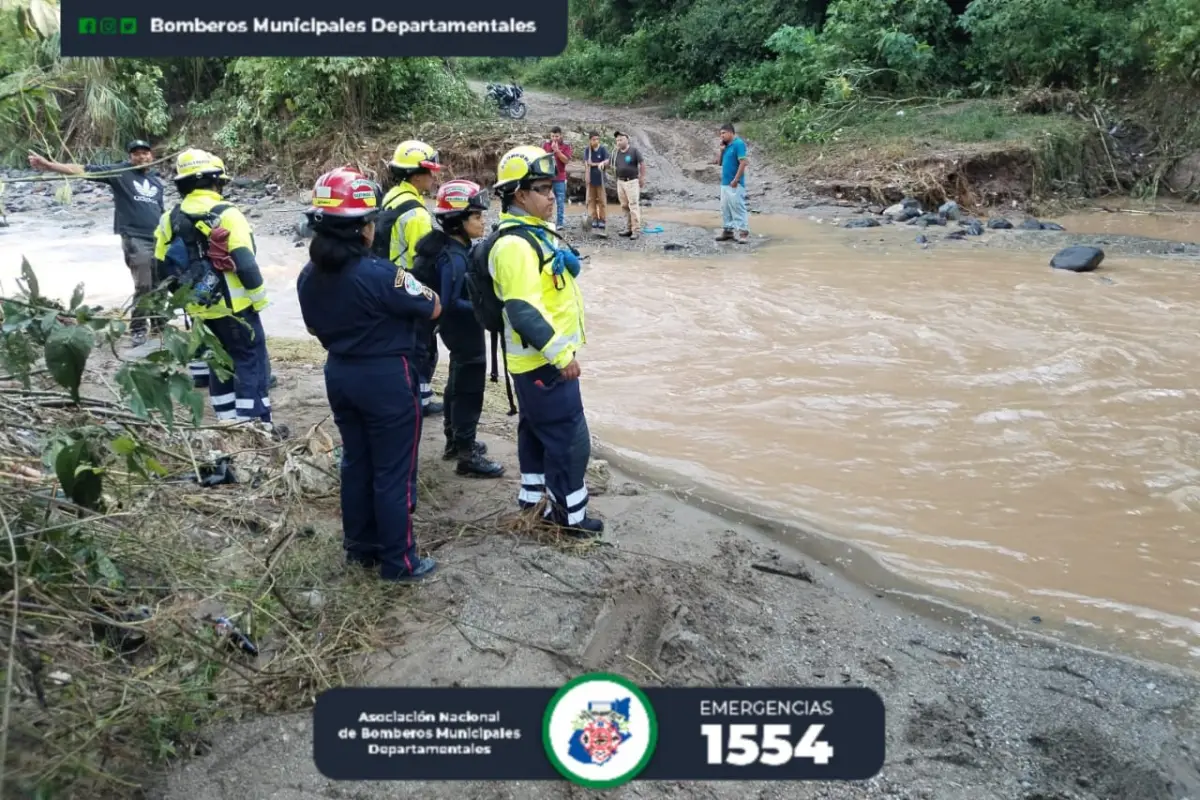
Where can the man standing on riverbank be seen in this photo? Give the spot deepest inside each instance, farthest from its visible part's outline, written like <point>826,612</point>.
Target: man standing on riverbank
<point>631,179</point>
<point>138,205</point>
<point>733,161</point>
<point>596,158</point>
<point>562,155</point>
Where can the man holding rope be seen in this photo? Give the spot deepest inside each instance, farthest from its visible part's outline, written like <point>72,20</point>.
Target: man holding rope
<point>138,201</point>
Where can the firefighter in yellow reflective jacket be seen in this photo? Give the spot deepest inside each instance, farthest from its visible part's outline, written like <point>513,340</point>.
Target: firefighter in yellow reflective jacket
<point>206,243</point>
<point>406,220</point>
<point>543,330</point>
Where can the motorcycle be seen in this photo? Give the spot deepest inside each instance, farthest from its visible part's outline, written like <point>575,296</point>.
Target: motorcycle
<point>508,99</point>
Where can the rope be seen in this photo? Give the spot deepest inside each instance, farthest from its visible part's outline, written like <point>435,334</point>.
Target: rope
<point>89,175</point>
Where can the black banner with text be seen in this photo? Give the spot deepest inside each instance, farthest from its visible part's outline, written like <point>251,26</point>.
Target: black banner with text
<point>272,28</point>
<point>599,731</point>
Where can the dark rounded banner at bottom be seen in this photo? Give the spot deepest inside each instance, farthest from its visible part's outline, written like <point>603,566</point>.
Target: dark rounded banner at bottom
<point>599,731</point>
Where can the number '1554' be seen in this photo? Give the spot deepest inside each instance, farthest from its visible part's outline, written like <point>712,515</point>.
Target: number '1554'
<point>776,748</point>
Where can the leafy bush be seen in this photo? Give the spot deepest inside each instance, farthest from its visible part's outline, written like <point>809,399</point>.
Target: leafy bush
<point>1170,30</point>
<point>286,100</point>
<point>909,40</point>
<point>1050,42</point>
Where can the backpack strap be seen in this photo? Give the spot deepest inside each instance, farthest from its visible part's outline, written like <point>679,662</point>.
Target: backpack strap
<point>524,231</point>
<point>512,407</point>
<point>407,206</point>
<point>209,219</point>
<point>495,357</point>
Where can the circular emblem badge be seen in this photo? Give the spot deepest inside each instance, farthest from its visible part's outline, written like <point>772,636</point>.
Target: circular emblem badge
<point>599,730</point>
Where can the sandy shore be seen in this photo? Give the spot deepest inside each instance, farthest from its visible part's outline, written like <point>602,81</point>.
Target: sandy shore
<point>675,596</point>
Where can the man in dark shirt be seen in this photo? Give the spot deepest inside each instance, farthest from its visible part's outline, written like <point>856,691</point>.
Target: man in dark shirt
<point>631,179</point>
<point>138,201</point>
<point>596,158</point>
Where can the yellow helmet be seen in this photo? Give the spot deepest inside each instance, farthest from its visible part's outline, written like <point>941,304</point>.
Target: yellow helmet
<point>193,163</point>
<point>521,164</point>
<point>415,155</point>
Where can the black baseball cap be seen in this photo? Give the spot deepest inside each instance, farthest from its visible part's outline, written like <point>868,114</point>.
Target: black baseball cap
<point>138,144</point>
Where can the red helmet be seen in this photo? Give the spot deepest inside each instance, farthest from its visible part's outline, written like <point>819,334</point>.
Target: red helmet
<point>460,197</point>
<point>344,193</point>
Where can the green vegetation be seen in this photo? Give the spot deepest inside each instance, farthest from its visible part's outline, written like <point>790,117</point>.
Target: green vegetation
<point>910,124</point>
<point>717,54</point>
<point>111,656</point>
<point>249,108</point>
<point>821,75</point>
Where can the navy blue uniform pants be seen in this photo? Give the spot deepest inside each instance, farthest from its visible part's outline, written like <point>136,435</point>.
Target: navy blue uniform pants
<point>376,406</point>
<point>466,383</point>
<point>427,360</point>
<point>245,394</point>
<point>553,444</point>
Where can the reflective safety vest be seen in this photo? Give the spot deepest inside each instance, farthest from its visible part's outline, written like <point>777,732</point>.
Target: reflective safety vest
<point>519,272</point>
<point>408,228</point>
<point>240,236</point>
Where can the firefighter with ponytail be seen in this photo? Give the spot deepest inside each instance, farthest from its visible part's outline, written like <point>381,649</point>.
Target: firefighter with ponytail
<point>442,259</point>
<point>368,315</point>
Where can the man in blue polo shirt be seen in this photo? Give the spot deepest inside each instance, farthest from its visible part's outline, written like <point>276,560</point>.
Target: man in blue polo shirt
<point>733,161</point>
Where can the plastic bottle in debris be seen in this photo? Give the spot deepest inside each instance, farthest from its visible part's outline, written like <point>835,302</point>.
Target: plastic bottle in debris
<point>225,628</point>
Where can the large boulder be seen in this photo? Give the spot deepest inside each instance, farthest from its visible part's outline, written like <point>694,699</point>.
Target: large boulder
<point>1184,177</point>
<point>1078,258</point>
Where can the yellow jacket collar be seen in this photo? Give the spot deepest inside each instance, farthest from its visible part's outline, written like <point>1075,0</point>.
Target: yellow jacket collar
<point>205,193</point>
<point>403,187</point>
<point>525,220</point>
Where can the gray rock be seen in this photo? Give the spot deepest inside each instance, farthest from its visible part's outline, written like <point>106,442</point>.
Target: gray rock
<point>1030,224</point>
<point>956,235</point>
<point>928,219</point>
<point>999,224</point>
<point>862,222</point>
<point>1052,226</point>
<point>950,210</point>
<point>303,229</point>
<point>973,228</point>
<point>1078,258</point>
<point>910,202</point>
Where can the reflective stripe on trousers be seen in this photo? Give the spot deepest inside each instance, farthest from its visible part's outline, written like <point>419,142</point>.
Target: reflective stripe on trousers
<point>553,444</point>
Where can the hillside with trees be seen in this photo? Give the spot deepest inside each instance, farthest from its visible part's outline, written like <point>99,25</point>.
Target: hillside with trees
<point>823,79</point>
<point>1076,97</point>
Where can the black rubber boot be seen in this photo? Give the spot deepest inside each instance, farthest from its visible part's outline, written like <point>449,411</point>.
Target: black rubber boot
<point>451,451</point>
<point>433,409</point>
<point>479,466</point>
<point>587,528</point>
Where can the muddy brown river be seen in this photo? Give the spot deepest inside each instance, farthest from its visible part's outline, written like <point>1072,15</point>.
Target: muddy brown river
<point>1022,440</point>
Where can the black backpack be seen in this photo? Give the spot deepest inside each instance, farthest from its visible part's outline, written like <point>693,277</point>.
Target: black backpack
<point>186,262</point>
<point>381,245</point>
<point>482,291</point>
<point>489,309</point>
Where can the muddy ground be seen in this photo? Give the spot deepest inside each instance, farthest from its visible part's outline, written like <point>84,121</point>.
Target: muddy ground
<point>677,595</point>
